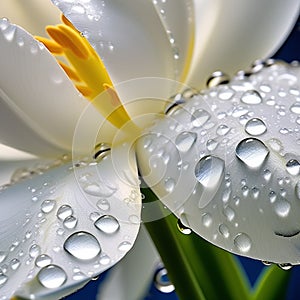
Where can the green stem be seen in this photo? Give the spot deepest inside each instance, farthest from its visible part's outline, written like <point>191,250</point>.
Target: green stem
<point>197,269</point>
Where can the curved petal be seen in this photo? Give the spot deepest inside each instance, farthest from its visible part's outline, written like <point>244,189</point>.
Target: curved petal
<point>21,12</point>
<point>65,226</point>
<point>232,172</point>
<point>141,263</point>
<point>8,153</point>
<point>128,36</point>
<point>39,105</point>
<point>230,35</point>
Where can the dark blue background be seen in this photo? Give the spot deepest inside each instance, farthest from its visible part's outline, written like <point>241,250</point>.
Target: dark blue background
<point>290,51</point>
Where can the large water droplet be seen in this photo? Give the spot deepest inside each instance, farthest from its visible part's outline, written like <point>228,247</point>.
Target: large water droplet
<point>255,127</point>
<point>107,224</point>
<point>200,117</point>
<point>251,97</point>
<point>209,171</point>
<point>252,152</point>
<point>82,245</point>
<point>185,140</point>
<point>293,167</point>
<point>242,242</point>
<point>47,206</point>
<point>162,282</point>
<point>64,211</point>
<point>52,277</point>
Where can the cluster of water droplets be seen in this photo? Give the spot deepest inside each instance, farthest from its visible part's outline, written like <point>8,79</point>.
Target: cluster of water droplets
<point>239,144</point>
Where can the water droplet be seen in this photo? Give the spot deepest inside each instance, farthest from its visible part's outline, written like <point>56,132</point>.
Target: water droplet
<point>275,145</point>
<point>217,78</point>
<point>107,224</point>
<point>162,282</point>
<point>267,175</point>
<point>285,266</point>
<point>3,256</point>
<point>229,213</point>
<point>211,145</point>
<point>207,219</point>
<point>251,97</point>
<point>82,245</point>
<point>225,93</point>
<point>124,246</point>
<point>252,152</point>
<point>266,263</point>
<point>282,208</point>
<point>47,206</point>
<point>3,279</point>
<point>295,108</point>
<point>94,189</point>
<point>9,33</point>
<point>104,260</point>
<point>293,167</point>
<point>101,151</point>
<point>64,211</point>
<point>43,260</point>
<point>223,229</point>
<point>70,222</point>
<point>222,130</point>
<point>200,117</point>
<point>79,276</point>
<point>255,127</point>
<point>182,228</point>
<point>242,242</point>
<point>272,196</point>
<point>15,264</point>
<point>185,140</point>
<point>52,277</point>
<point>169,185</point>
<point>103,204</point>
<point>226,195</point>
<point>34,251</point>
<point>209,171</point>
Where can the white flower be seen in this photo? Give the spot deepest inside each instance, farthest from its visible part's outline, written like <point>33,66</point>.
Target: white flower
<point>64,222</point>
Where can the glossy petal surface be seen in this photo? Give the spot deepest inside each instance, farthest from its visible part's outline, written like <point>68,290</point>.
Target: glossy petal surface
<point>232,173</point>
<point>65,226</point>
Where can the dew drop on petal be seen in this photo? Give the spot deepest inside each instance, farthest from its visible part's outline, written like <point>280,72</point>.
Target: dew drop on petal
<point>64,211</point>
<point>3,256</point>
<point>282,208</point>
<point>103,204</point>
<point>185,140</point>
<point>82,245</point>
<point>124,246</point>
<point>251,97</point>
<point>182,228</point>
<point>200,117</point>
<point>252,152</point>
<point>285,266</point>
<point>222,130</point>
<point>52,276</point>
<point>223,229</point>
<point>209,171</point>
<point>207,219</point>
<point>242,242</point>
<point>3,279</point>
<point>255,127</point>
<point>43,260</point>
<point>295,108</point>
<point>297,190</point>
<point>70,222</point>
<point>169,184</point>
<point>47,206</point>
<point>107,224</point>
<point>162,282</point>
<point>34,251</point>
<point>293,167</point>
<point>15,264</point>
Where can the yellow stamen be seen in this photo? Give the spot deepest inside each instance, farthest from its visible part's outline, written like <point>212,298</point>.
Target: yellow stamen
<point>86,70</point>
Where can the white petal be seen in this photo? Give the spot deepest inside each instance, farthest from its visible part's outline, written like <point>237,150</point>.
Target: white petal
<point>39,105</point>
<point>228,165</point>
<point>230,35</point>
<point>8,153</point>
<point>83,218</point>
<point>131,278</point>
<point>33,15</point>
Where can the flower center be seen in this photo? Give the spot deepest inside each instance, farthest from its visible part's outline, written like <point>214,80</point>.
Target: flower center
<point>85,68</point>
